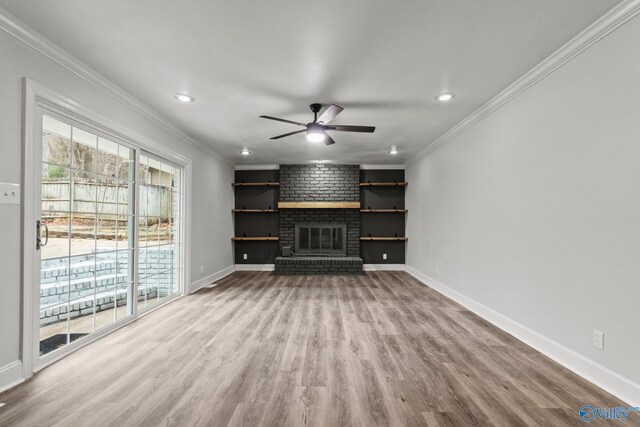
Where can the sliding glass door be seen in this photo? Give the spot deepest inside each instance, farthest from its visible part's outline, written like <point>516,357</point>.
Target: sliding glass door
<point>108,232</point>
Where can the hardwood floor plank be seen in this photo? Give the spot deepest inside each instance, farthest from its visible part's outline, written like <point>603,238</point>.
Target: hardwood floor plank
<point>259,349</point>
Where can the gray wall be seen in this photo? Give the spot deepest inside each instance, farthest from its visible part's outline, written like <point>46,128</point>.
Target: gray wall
<point>211,223</point>
<point>535,210</point>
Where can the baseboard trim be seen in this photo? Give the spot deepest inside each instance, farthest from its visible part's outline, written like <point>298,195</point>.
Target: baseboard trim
<point>255,267</point>
<point>201,283</point>
<point>383,267</point>
<point>612,382</point>
<point>10,375</point>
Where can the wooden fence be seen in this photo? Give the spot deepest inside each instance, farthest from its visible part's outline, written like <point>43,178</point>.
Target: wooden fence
<point>108,200</point>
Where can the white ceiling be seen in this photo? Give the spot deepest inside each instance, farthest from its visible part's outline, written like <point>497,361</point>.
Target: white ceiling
<point>384,61</point>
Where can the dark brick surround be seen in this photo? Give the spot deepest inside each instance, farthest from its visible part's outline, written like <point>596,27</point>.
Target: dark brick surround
<point>320,183</point>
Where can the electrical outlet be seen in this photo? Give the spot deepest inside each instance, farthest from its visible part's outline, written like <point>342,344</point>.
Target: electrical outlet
<point>598,339</point>
<point>9,193</point>
<point>384,256</point>
<point>201,269</point>
<point>244,256</point>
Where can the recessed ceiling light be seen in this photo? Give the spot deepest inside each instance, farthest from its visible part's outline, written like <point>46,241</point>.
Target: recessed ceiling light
<point>245,152</point>
<point>183,97</point>
<point>446,97</point>
<point>394,150</point>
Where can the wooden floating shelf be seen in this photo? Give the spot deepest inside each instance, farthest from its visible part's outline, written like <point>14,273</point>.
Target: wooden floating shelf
<point>255,239</point>
<point>384,238</point>
<point>383,210</point>
<point>255,210</point>
<point>256,184</point>
<point>383,184</point>
<point>319,205</point>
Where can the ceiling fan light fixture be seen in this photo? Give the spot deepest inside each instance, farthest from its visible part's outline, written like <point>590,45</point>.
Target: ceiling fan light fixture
<point>183,97</point>
<point>315,133</point>
<point>445,97</point>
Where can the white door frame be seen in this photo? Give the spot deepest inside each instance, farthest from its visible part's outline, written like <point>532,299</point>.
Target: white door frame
<point>37,97</point>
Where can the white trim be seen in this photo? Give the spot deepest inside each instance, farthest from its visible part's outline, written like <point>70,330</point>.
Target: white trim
<point>10,375</point>
<point>255,267</point>
<point>608,23</point>
<point>46,47</point>
<point>603,377</point>
<point>28,227</point>
<point>383,267</point>
<point>206,281</point>
<point>256,167</point>
<point>391,167</point>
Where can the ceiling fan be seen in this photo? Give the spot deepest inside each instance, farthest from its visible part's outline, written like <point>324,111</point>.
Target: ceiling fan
<point>316,130</point>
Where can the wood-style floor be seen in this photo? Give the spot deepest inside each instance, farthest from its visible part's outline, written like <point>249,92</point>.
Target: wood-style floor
<point>260,349</point>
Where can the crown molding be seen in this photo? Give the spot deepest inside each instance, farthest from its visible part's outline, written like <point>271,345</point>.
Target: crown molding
<point>32,38</point>
<point>608,23</point>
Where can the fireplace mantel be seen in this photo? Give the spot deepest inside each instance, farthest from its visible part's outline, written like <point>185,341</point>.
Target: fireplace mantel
<point>318,205</point>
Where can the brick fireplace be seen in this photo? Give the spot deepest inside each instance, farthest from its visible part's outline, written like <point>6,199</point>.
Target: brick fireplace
<point>319,183</point>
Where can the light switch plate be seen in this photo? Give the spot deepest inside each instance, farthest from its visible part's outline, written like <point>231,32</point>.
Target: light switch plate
<point>9,193</point>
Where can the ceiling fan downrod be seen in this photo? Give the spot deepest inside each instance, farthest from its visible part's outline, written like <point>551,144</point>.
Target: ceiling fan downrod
<point>315,108</point>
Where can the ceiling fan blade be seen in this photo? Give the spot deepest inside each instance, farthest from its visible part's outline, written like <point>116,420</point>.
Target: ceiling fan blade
<point>328,140</point>
<point>351,128</point>
<point>284,120</point>
<point>330,113</point>
<point>288,134</point>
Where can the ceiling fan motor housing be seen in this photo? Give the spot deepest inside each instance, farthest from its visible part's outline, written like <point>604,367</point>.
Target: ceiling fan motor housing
<point>314,128</point>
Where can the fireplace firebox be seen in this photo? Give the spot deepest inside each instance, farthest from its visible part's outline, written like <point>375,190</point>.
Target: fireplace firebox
<point>321,239</point>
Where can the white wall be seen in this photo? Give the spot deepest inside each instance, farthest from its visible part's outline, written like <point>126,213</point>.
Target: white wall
<point>211,222</point>
<point>534,211</point>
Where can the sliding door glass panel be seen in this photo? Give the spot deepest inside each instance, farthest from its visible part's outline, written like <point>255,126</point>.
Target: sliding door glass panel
<point>159,237</point>
<point>86,266</point>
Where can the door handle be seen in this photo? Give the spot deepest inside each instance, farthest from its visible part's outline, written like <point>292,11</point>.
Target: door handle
<point>39,242</point>
<point>46,235</point>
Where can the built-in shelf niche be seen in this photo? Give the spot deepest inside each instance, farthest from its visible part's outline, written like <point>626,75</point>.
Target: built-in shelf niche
<point>255,213</point>
<point>382,216</point>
